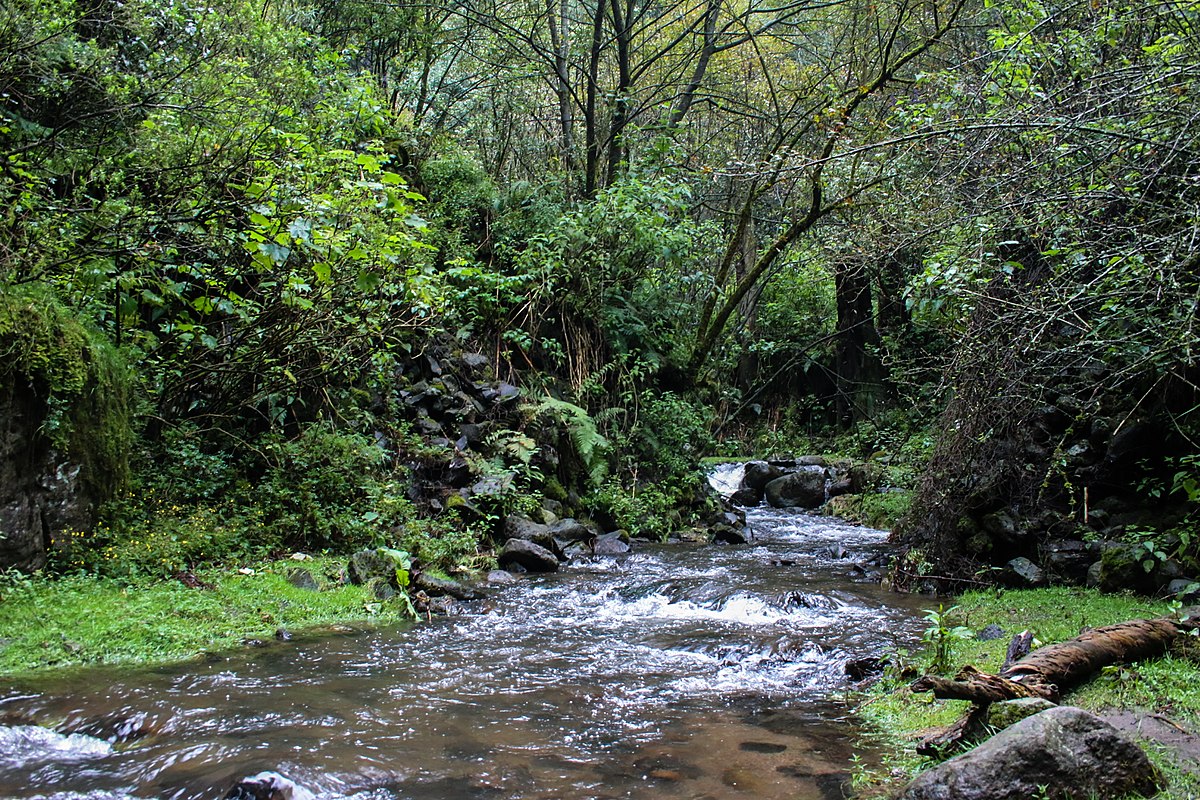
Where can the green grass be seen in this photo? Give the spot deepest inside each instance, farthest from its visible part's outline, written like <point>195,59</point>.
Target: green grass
<point>896,718</point>
<point>48,623</point>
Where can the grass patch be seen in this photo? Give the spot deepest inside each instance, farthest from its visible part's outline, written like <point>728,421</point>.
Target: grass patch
<point>895,718</point>
<point>54,622</point>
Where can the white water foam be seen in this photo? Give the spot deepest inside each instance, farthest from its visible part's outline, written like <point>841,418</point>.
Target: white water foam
<point>727,478</point>
<point>22,744</point>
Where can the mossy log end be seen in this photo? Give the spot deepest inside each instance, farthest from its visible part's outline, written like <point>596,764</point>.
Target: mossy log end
<point>1046,672</point>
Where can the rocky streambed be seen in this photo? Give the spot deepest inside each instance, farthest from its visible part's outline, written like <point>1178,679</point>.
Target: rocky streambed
<point>671,671</point>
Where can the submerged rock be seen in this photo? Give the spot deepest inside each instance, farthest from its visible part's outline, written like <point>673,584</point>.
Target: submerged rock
<point>611,544</point>
<point>268,786</point>
<point>1063,752</point>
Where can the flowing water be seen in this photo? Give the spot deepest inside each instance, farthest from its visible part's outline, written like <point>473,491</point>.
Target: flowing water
<point>678,671</point>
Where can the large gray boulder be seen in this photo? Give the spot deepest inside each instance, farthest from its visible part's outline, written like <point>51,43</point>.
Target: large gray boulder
<point>1062,752</point>
<point>520,555</point>
<point>804,488</point>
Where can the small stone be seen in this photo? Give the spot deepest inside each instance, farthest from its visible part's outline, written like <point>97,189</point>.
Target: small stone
<point>283,635</point>
<point>302,579</point>
<point>990,633</point>
<point>1023,572</point>
<point>1185,590</point>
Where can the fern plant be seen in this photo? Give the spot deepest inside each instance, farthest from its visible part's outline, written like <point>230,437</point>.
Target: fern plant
<point>586,440</point>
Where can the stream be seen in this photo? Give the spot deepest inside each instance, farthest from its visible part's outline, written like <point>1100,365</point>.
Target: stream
<point>678,671</point>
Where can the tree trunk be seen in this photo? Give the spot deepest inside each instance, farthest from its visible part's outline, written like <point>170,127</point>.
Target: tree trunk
<point>559,23</point>
<point>858,369</point>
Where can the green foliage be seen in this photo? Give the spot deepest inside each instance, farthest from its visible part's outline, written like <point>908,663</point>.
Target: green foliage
<point>882,510</point>
<point>443,542</point>
<point>588,446</point>
<point>670,436</point>
<point>314,491</point>
<point>651,510</point>
<point>940,637</point>
<point>461,196</point>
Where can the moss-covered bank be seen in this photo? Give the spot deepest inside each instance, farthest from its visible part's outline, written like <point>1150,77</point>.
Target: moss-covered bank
<point>78,377</point>
<point>48,623</point>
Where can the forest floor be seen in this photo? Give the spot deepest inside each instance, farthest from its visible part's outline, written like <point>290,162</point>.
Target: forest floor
<point>1157,701</point>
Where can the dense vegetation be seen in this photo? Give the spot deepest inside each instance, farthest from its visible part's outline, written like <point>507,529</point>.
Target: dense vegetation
<point>243,242</point>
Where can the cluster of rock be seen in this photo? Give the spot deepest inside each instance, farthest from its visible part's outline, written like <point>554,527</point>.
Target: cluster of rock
<point>453,402</point>
<point>804,482</point>
<point>528,546</point>
<point>1078,499</point>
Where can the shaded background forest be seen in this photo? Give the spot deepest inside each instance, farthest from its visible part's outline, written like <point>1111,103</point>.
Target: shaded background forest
<point>251,255</point>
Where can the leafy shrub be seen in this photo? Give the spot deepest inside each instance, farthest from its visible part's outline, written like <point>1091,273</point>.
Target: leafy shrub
<point>649,509</point>
<point>315,490</point>
<point>671,435</point>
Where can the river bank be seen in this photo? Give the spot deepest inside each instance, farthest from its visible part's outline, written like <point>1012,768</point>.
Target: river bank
<point>1156,702</point>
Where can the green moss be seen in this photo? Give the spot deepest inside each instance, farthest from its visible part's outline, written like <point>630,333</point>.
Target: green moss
<point>80,377</point>
<point>896,718</point>
<point>880,510</point>
<point>51,623</point>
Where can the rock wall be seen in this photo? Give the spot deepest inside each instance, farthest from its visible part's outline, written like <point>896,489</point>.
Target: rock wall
<point>42,497</point>
<point>1064,494</point>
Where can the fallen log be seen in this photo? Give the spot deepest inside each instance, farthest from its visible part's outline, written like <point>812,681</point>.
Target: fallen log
<point>1049,670</point>
<point>1046,672</point>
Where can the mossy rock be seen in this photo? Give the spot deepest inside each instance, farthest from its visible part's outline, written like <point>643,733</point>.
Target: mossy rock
<point>1121,569</point>
<point>65,403</point>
